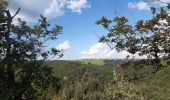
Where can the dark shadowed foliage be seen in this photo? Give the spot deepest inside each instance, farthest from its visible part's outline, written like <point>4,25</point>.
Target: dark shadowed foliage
<point>22,53</point>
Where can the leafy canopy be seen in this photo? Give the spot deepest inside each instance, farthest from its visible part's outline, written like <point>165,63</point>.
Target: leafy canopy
<point>150,38</point>
<point>22,53</point>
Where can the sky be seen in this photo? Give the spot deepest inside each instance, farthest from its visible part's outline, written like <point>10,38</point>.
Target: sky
<point>80,36</point>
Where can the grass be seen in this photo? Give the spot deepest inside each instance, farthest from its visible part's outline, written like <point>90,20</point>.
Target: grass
<point>92,61</point>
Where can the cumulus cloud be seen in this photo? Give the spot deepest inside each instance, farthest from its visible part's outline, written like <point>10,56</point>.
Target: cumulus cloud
<point>77,5</point>
<point>31,9</point>
<point>102,51</point>
<point>56,8</point>
<point>63,46</point>
<point>146,5</point>
<point>139,5</point>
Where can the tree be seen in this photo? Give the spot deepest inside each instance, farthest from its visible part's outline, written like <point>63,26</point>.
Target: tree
<point>23,73</point>
<point>120,88</point>
<point>150,37</point>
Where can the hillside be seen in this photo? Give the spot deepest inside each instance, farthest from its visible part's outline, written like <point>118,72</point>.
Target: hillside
<point>61,67</point>
<point>89,75</point>
<point>92,61</point>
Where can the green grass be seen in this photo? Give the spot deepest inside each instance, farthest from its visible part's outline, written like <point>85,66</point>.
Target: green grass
<point>92,61</point>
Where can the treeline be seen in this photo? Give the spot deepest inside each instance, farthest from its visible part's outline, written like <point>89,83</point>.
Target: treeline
<point>25,74</point>
<point>128,80</point>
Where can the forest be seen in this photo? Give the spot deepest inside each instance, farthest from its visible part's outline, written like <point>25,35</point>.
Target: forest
<point>29,72</point>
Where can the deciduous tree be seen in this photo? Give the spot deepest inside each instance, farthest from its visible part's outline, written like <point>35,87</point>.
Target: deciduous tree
<point>150,37</point>
<point>23,73</point>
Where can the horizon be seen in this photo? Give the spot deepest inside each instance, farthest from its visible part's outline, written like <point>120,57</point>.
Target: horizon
<point>81,40</point>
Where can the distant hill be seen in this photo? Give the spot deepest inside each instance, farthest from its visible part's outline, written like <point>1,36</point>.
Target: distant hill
<point>95,74</point>
<point>100,61</point>
<point>92,61</point>
<point>63,67</point>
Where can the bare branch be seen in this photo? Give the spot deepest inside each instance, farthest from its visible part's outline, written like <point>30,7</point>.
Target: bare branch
<point>16,13</point>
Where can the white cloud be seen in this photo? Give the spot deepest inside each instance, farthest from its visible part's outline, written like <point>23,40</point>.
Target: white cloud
<point>102,51</point>
<point>77,5</point>
<point>139,5</point>
<point>63,46</point>
<point>31,9</point>
<point>146,5</point>
<point>165,1</point>
<point>56,8</point>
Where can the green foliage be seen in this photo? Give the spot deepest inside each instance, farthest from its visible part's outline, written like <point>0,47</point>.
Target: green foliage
<point>137,70</point>
<point>92,61</point>
<point>22,53</point>
<point>150,37</point>
<point>3,4</point>
<point>116,79</point>
<point>81,81</point>
<point>25,75</point>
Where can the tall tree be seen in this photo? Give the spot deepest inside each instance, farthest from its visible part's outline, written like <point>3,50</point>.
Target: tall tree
<point>23,73</point>
<point>150,37</point>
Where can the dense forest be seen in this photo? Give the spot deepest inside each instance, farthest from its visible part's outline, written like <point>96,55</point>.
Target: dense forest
<point>113,80</point>
<point>26,73</point>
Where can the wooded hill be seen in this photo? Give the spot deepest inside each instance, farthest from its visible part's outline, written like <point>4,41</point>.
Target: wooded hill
<point>87,81</point>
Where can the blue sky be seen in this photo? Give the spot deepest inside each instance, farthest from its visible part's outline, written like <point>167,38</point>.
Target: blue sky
<point>80,35</point>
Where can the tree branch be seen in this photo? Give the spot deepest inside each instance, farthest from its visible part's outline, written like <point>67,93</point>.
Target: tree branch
<point>16,13</point>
